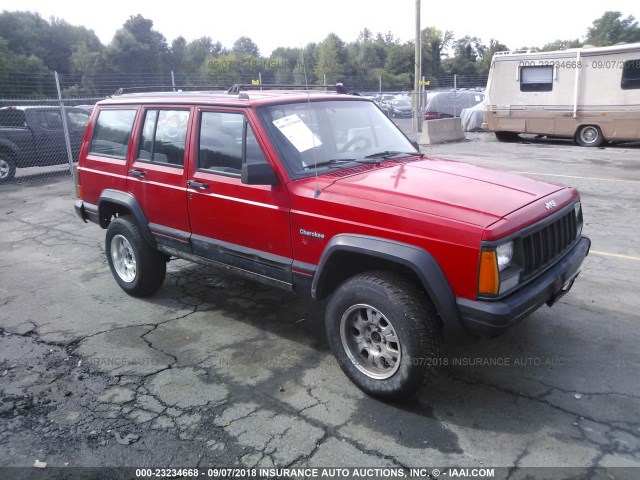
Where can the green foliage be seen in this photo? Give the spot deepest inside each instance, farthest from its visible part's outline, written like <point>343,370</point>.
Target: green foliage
<point>562,45</point>
<point>140,55</point>
<point>611,28</point>
<point>484,64</point>
<point>434,44</point>
<point>14,68</point>
<point>245,46</point>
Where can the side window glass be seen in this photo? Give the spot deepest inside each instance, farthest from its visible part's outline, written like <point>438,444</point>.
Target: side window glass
<point>536,78</point>
<point>112,132</point>
<point>631,75</point>
<point>254,152</point>
<point>163,136</point>
<point>78,119</point>
<point>220,143</point>
<point>51,120</point>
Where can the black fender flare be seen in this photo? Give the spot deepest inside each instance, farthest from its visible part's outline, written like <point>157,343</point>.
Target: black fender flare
<point>420,261</point>
<point>130,203</point>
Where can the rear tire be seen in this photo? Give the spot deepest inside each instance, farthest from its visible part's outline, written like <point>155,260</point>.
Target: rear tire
<point>138,268</point>
<point>384,333</point>
<point>7,169</point>
<point>507,136</point>
<point>589,136</point>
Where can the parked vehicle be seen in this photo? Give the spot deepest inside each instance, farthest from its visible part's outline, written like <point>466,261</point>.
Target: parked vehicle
<point>34,137</point>
<point>589,94</point>
<point>400,108</point>
<point>322,194</point>
<point>450,104</point>
<point>384,102</point>
<point>473,118</point>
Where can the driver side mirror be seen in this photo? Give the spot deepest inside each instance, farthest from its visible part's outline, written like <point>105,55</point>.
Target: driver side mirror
<point>258,174</point>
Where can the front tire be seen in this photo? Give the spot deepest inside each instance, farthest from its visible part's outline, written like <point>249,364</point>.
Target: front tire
<point>589,136</point>
<point>138,268</point>
<point>7,169</point>
<point>384,333</point>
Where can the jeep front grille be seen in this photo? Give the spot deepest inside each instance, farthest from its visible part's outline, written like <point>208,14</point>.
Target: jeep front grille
<point>543,246</point>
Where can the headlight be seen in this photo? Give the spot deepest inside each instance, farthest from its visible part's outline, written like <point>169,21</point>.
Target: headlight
<point>504,253</point>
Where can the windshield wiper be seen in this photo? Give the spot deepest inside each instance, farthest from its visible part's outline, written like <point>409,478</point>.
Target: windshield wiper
<point>390,153</point>
<point>337,161</point>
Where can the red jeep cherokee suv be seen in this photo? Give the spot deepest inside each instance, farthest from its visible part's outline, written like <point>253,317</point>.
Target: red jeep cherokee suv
<point>322,194</point>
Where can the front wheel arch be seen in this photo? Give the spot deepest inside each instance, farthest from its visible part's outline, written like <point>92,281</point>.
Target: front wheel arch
<point>379,253</point>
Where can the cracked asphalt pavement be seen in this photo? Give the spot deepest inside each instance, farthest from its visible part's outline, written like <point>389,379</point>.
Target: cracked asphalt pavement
<point>215,370</point>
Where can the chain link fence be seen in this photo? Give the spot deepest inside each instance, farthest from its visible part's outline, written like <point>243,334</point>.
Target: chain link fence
<point>39,142</point>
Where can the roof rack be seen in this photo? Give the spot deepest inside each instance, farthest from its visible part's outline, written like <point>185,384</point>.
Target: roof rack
<point>167,88</point>
<point>239,87</point>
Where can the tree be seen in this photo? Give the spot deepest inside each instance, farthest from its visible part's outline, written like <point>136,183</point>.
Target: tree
<point>25,32</point>
<point>137,48</point>
<point>15,67</point>
<point>467,52</point>
<point>484,65</point>
<point>434,43</point>
<point>62,37</point>
<point>562,45</point>
<point>332,58</point>
<point>401,59</point>
<point>611,29</point>
<point>29,34</point>
<point>245,46</point>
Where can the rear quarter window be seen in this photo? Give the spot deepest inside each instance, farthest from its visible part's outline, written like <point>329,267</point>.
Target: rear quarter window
<point>112,133</point>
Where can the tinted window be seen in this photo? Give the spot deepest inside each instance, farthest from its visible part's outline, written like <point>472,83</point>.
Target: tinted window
<point>112,132</point>
<point>631,75</point>
<point>12,117</point>
<point>221,141</point>
<point>163,136</point>
<point>536,79</point>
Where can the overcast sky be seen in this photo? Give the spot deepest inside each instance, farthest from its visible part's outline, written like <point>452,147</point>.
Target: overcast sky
<point>274,23</point>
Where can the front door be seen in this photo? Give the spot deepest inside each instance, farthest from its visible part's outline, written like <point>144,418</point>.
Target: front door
<point>246,226</point>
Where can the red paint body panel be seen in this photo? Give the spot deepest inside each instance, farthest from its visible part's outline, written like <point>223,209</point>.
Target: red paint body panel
<point>445,207</point>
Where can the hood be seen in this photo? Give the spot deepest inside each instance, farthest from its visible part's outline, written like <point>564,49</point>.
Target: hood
<point>449,189</point>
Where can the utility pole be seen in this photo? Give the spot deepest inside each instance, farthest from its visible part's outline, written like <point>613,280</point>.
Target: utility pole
<point>418,71</point>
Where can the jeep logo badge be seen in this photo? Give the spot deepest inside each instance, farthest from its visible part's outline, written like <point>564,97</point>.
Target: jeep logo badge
<point>550,204</point>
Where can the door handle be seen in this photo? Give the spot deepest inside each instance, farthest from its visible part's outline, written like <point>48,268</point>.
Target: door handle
<point>137,173</point>
<point>194,184</point>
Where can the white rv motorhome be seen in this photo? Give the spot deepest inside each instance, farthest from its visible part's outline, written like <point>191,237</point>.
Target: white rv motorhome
<point>589,94</point>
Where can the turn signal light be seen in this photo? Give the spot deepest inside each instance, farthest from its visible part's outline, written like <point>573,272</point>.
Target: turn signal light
<point>488,279</point>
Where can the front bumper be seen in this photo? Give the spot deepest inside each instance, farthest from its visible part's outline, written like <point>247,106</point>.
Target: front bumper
<point>488,319</point>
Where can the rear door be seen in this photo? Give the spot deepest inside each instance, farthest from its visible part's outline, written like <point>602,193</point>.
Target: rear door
<point>156,175</point>
<point>246,226</point>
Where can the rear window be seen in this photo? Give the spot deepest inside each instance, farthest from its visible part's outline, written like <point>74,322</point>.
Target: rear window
<point>12,118</point>
<point>112,133</point>
<point>536,79</point>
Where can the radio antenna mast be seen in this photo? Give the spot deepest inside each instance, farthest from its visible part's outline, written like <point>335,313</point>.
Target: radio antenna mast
<point>313,136</point>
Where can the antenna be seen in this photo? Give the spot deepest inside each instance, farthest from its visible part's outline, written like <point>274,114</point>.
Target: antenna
<point>316,194</point>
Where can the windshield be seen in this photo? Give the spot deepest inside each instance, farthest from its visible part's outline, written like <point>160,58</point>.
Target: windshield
<point>326,135</point>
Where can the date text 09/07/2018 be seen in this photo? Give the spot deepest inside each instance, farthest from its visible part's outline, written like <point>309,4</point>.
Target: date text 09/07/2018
<point>573,64</point>
<point>315,472</point>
